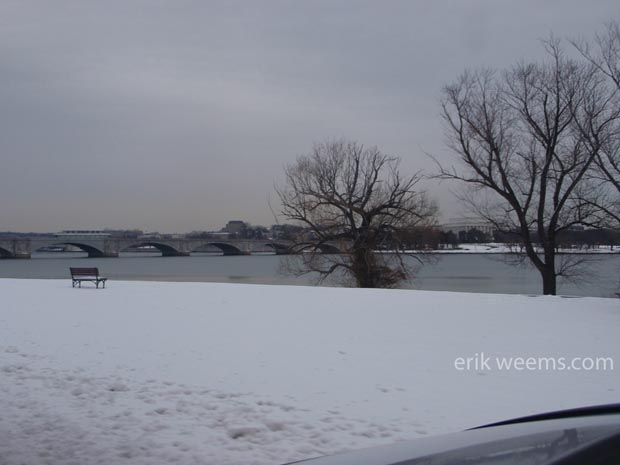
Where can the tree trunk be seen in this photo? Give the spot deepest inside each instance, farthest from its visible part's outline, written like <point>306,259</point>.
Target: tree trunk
<point>549,276</point>
<point>363,268</point>
<point>549,280</point>
<point>546,268</point>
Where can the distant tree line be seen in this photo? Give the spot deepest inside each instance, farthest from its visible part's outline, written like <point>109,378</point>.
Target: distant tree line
<point>576,238</point>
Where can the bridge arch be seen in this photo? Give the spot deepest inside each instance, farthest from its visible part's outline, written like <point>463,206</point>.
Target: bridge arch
<point>227,249</point>
<point>165,249</point>
<point>93,252</point>
<point>323,248</point>
<point>5,253</point>
<point>279,249</point>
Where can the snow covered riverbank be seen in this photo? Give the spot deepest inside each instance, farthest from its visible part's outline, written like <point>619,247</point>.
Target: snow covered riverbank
<point>202,373</point>
<point>499,248</point>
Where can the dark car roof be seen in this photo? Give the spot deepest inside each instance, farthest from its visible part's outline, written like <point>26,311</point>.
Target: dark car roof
<point>539,439</point>
<point>605,409</point>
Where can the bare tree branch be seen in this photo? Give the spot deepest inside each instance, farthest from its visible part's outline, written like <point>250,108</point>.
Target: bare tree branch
<point>604,55</point>
<point>526,140</point>
<point>355,199</point>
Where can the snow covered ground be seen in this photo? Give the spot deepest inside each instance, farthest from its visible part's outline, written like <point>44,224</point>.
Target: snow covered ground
<point>493,247</point>
<point>202,373</point>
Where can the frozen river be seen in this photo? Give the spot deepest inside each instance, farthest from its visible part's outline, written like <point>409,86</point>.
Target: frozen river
<point>459,272</point>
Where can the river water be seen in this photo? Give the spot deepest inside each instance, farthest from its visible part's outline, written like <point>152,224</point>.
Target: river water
<point>447,272</point>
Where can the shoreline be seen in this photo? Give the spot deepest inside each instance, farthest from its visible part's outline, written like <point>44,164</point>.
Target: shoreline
<point>179,280</point>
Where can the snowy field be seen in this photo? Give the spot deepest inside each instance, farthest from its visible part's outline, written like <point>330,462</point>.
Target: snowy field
<point>201,373</point>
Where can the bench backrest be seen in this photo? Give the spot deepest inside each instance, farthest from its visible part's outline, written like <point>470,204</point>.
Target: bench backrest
<point>84,272</point>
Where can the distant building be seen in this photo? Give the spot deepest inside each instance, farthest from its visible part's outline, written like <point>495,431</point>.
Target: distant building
<point>219,235</point>
<point>235,227</point>
<point>458,225</point>
<point>285,231</point>
<point>83,233</point>
<point>125,233</point>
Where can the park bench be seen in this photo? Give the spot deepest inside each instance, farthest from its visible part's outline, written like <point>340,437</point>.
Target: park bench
<point>86,274</point>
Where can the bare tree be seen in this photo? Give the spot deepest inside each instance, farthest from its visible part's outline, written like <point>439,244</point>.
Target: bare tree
<point>604,55</point>
<point>521,151</point>
<point>355,199</point>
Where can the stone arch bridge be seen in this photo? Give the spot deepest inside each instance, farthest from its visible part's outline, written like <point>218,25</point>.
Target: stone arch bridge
<point>98,246</point>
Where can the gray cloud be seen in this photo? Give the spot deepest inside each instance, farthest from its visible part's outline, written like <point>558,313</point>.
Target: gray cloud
<point>176,116</point>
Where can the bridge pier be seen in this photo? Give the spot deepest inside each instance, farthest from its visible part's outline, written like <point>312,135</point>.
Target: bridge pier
<point>110,249</point>
<point>173,253</point>
<point>15,248</point>
<point>232,253</point>
<point>97,254</point>
<point>18,256</point>
<point>281,249</point>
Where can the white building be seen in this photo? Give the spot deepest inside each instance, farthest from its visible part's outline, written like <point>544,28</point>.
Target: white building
<point>457,225</point>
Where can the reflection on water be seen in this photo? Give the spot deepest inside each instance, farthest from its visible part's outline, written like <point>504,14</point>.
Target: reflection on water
<point>461,273</point>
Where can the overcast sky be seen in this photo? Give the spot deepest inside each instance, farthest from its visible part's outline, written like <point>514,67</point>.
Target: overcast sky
<point>175,116</point>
